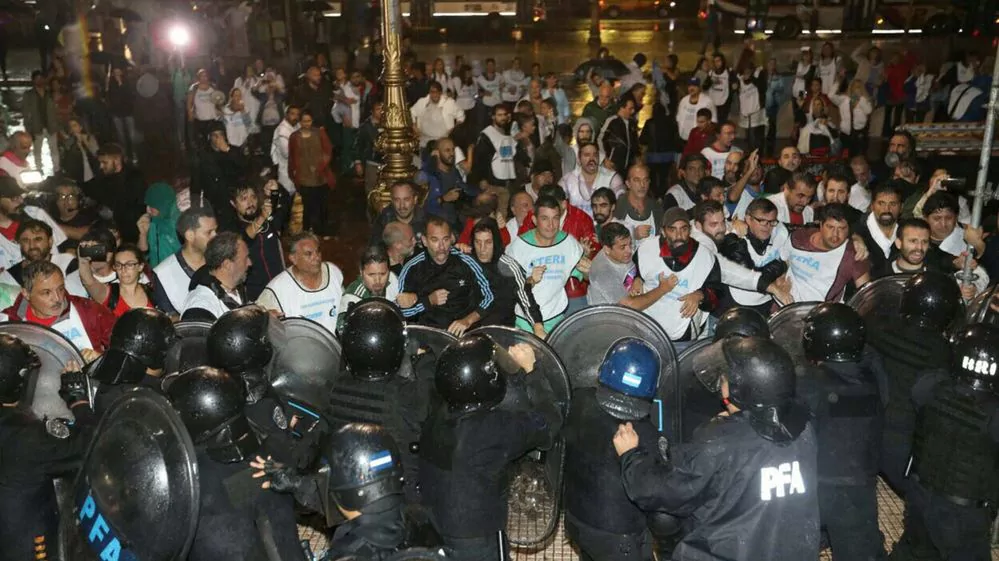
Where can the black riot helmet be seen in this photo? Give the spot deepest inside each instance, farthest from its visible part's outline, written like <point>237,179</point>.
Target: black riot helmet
<point>976,354</point>
<point>17,361</point>
<point>140,340</point>
<point>210,403</point>
<point>761,382</point>
<point>742,322</point>
<point>374,339</point>
<point>833,333</point>
<point>239,341</point>
<point>931,299</point>
<point>471,373</point>
<point>364,466</point>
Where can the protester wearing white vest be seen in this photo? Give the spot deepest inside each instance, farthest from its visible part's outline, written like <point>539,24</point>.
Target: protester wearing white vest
<point>492,167</point>
<point>311,288</point>
<point>85,323</point>
<point>822,261</point>
<point>197,226</point>
<point>219,287</point>
<point>589,176</point>
<point>717,152</point>
<point>435,116</point>
<point>793,200</point>
<point>679,277</point>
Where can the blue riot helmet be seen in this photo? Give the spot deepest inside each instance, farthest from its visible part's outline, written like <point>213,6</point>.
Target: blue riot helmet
<point>628,379</point>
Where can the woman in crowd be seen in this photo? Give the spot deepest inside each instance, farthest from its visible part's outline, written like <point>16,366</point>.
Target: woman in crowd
<point>855,110</point>
<point>159,224</point>
<point>309,166</point>
<point>819,138</point>
<point>553,91</point>
<point>237,120</point>
<point>130,289</point>
<point>78,152</point>
<point>441,76</point>
<point>828,67</point>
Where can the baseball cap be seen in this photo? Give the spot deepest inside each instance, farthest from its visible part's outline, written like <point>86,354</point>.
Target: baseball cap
<point>674,215</point>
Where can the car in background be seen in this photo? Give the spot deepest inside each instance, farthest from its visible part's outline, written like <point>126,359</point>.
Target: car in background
<point>613,9</point>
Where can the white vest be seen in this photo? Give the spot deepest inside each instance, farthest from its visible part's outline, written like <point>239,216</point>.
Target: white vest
<point>681,196</point>
<point>320,306</point>
<point>502,164</point>
<point>174,281</point>
<point>770,253</point>
<point>203,297</point>
<point>492,89</point>
<point>813,272</point>
<point>717,159</point>
<point>954,242</point>
<point>560,260</point>
<point>632,224</point>
<point>784,212</point>
<point>666,310</point>
<point>72,328</point>
<point>720,87</point>
<point>744,199</point>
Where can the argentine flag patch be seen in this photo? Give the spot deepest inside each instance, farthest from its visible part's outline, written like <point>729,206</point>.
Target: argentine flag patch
<point>380,460</point>
<point>631,380</point>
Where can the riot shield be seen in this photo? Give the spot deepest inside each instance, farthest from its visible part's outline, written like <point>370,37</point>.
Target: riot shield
<point>306,360</point>
<point>697,404</point>
<point>191,348</point>
<point>430,338</point>
<point>980,309</point>
<point>54,351</point>
<point>536,485</point>
<point>786,326</point>
<point>583,339</point>
<point>137,495</point>
<point>878,301</point>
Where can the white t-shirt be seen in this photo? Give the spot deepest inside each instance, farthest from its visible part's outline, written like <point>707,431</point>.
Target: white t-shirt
<point>717,159</point>
<point>285,294</point>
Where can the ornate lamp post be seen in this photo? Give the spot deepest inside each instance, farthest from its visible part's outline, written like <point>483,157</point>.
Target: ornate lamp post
<point>396,142</point>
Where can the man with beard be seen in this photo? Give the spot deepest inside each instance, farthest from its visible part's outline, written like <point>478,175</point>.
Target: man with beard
<point>310,288</point>
<point>745,181</point>
<point>279,145</point>
<point>196,227</point>
<point>901,147</point>
<point>553,256</point>
<point>400,243</point>
<point>880,227</point>
<point>35,239</point>
<point>505,276</point>
<point>836,189</point>
<point>612,272</point>
<point>618,137</point>
<point>121,189</point>
<point>445,185</point>
<point>218,286</point>
<point>821,260</point>
<point>260,227</point>
<point>793,201</point>
<point>637,210</point>
<point>602,204</point>
<point>441,286</point>
<point>404,208</point>
<point>686,272</point>
<point>912,248</point>
<point>588,177</point>
<point>693,168</point>
<point>759,250</point>
<point>220,169</point>
<point>374,281</point>
<point>44,301</point>
<point>789,162</point>
<point>493,169</point>
<point>948,241</point>
<point>717,152</point>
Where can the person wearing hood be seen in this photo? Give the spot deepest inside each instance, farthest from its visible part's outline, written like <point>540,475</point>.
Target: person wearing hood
<point>158,226</point>
<point>505,276</point>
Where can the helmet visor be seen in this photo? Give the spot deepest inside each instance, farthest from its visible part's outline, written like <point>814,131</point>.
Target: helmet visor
<point>710,366</point>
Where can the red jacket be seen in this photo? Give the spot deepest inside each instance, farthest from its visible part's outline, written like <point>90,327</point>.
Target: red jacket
<point>697,140</point>
<point>895,76</point>
<point>466,234</point>
<point>325,170</point>
<point>97,320</point>
<point>580,226</point>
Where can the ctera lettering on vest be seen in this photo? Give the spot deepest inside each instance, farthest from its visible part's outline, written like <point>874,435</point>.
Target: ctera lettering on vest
<point>781,481</point>
<point>100,536</point>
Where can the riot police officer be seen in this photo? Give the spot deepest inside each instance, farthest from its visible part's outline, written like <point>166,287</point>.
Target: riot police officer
<point>599,517</point>
<point>239,343</point>
<point>747,479</point>
<point>954,474</point>
<point>363,483</point>
<point>32,452</point>
<point>385,380</point>
<point>909,345</point>
<point>741,322</point>
<point>238,520</point>
<point>140,340</point>
<point>843,393</point>
<point>471,441</point>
